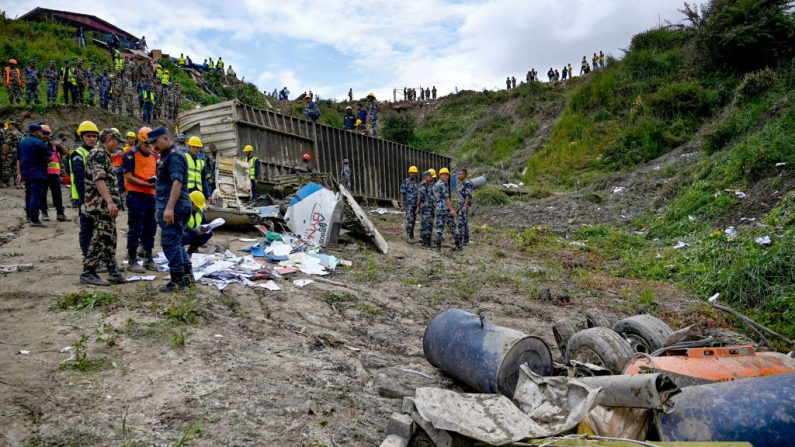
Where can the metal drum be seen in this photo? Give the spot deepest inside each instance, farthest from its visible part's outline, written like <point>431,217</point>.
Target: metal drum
<point>480,354</point>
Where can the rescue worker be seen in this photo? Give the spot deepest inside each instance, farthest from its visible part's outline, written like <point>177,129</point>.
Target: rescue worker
<point>220,65</point>
<point>102,203</point>
<point>54,173</point>
<point>349,120</point>
<point>34,154</point>
<point>345,175</point>
<point>13,80</point>
<point>140,174</point>
<point>212,159</point>
<point>149,104</point>
<point>303,166</point>
<point>88,133</point>
<point>408,201</point>
<point>253,169</point>
<point>425,208</point>
<point>311,112</point>
<point>80,81</point>
<point>445,213</point>
<point>173,208</point>
<point>92,79</point>
<point>595,61</point>
<point>601,59</point>
<point>104,89</point>
<point>194,237</point>
<point>465,188</point>
<point>52,76</point>
<point>372,115</point>
<point>197,167</point>
<point>131,140</point>
<point>181,60</point>
<point>68,78</point>
<point>32,78</point>
<point>116,159</point>
<point>584,66</point>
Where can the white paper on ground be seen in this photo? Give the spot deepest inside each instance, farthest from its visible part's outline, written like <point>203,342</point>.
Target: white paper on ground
<point>141,278</point>
<point>311,265</point>
<point>211,226</point>
<point>279,248</point>
<point>302,282</point>
<point>249,264</point>
<point>270,285</point>
<point>247,239</point>
<point>764,240</point>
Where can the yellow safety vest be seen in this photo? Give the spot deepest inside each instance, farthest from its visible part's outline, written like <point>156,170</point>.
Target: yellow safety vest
<point>181,61</point>
<point>159,73</point>
<point>149,96</point>
<point>252,171</point>
<point>164,80</point>
<point>83,152</point>
<point>195,220</point>
<point>195,168</point>
<point>220,64</point>
<point>68,73</point>
<point>210,64</point>
<point>118,64</point>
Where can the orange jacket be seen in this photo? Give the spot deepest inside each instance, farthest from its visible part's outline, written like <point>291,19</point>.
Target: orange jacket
<point>8,76</point>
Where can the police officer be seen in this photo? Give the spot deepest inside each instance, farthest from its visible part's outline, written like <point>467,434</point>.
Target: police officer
<point>33,157</point>
<point>88,133</point>
<point>197,168</point>
<point>102,202</point>
<point>445,213</point>
<point>408,201</point>
<point>465,188</point>
<point>51,74</point>
<point>425,206</point>
<point>173,208</point>
<point>140,170</point>
<point>32,78</point>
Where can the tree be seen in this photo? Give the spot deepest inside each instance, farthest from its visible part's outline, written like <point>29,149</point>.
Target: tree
<point>398,128</point>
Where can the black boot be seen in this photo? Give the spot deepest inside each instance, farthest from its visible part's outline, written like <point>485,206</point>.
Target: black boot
<point>176,284</point>
<point>115,276</point>
<point>89,276</point>
<point>438,245</point>
<point>458,245</point>
<point>149,262</point>
<point>133,265</point>
<point>189,279</point>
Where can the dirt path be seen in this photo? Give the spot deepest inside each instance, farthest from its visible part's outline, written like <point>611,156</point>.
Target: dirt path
<point>314,366</point>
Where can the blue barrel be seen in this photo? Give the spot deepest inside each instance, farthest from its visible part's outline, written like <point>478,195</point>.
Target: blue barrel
<point>484,356</point>
<point>759,410</point>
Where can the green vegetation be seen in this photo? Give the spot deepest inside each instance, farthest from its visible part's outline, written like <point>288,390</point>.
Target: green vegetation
<point>85,300</point>
<point>82,362</point>
<point>489,195</point>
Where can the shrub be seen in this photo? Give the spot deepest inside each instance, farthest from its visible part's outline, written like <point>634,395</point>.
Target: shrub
<point>684,98</point>
<point>657,39</point>
<point>489,195</point>
<point>754,85</point>
<point>398,128</point>
<point>644,140</point>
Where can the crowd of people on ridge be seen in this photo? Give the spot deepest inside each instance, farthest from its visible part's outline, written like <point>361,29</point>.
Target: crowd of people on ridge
<point>553,75</point>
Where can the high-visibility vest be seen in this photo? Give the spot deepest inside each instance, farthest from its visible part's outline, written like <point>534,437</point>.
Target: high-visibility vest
<point>252,170</point>
<point>195,220</point>
<point>149,96</point>
<point>83,152</point>
<point>181,60</point>
<point>165,79</point>
<point>68,74</point>
<point>210,64</point>
<point>195,168</point>
<point>220,64</point>
<point>159,73</point>
<point>54,166</point>
<point>8,76</point>
<point>145,168</point>
<point>118,64</point>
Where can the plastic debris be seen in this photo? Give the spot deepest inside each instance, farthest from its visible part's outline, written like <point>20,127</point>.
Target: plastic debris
<point>141,278</point>
<point>577,244</point>
<point>780,165</point>
<point>740,194</point>
<point>680,245</point>
<point>730,232</point>
<point>714,298</point>
<point>23,352</point>
<point>510,185</point>
<point>764,240</point>
<point>8,268</point>
<point>691,218</point>
<point>617,189</point>
<point>302,282</point>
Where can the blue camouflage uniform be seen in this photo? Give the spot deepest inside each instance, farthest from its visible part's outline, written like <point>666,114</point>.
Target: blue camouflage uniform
<point>173,166</point>
<point>425,203</point>
<point>443,217</point>
<point>409,190</point>
<point>465,192</point>
<point>104,90</point>
<point>32,76</point>
<point>52,83</point>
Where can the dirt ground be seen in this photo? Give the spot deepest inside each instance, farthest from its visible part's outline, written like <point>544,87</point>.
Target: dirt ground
<point>313,366</point>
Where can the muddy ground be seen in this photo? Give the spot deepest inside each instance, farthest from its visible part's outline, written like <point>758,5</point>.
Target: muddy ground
<point>320,365</point>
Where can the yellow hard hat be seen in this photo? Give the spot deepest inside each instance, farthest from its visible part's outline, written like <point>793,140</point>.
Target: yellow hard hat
<point>433,172</point>
<point>130,134</point>
<point>371,94</point>
<point>413,169</point>
<point>115,129</point>
<point>358,122</point>
<point>86,126</point>
<point>248,148</point>
<point>444,171</point>
<point>195,142</point>
<point>198,199</point>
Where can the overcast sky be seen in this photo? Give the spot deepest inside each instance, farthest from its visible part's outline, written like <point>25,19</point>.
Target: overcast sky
<point>331,45</point>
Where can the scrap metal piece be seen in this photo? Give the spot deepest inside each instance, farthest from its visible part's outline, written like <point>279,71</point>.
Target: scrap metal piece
<point>366,223</point>
<point>649,391</point>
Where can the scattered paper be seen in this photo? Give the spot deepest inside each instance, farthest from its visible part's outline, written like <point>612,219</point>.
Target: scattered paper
<point>141,278</point>
<point>577,244</point>
<point>279,248</point>
<point>731,233</point>
<point>346,263</point>
<point>211,226</point>
<point>680,245</point>
<point>311,265</point>
<point>381,211</point>
<point>302,282</point>
<point>8,268</point>
<point>740,194</point>
<point>510,185</point>
<point>219,336</point>
<point>764,240</point>
<point>23,352</point>
<point>691,218</point>
<point>270,285</point>
<point>617,189</point>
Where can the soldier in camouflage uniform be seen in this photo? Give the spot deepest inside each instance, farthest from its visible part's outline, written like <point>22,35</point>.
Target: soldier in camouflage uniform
<point>408,193</point>
<point>116,89</point>
<point>102,202</point>
<point>104,88</point>
<point>465,188</point>
<point>445,213</point>
<point>11,140</point>
<point>80,82</point>
<point>53,76</point>
<point>13,80</point>
<point>159,90</point>
<point>425,204</point>
<point>129,96</point>
<point>32,77</point>
<point>92,76</point>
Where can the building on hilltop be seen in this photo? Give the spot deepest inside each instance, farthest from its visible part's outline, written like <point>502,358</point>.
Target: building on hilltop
<point>87,21</point>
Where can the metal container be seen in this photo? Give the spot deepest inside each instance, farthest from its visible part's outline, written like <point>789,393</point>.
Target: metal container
<point>484,356</point>
<point>479,181</point>
<point>758,410</point>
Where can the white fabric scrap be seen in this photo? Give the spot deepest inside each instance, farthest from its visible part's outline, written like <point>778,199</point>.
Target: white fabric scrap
<point>764,240</point>
<point>279,248</point>
<point>617,189</point>
<point>302,282</point>
<point>679,245</point>
<point>141,278</point>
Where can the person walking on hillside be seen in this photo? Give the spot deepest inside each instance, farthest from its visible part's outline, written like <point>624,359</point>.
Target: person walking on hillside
<point>350,94</point>
<point>11,139</point>
<point>102,202</point>
<point>551,74</point>
<point>51,75</point>
<point>88,133</point>
<point>34,154</point>
<point>445,213</point>
<point>68,78</point>
<point>595,61</point>
<point>408,201</point>
<point>513,82</point>
<point>349,119</point>
<point>601,59</point>
<point>32,78</point>
<point>311,112</point>
<point>173,208</point>
<point>565,72</point>
<point>372,115</point>
<point>508,83</point>
<point>571,72</point>
<point>427,94</point>
<point>425,208</point>
<point>140,173</point>
<point>13,81</point>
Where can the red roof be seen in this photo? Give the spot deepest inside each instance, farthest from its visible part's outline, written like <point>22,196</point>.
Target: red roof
<point>77,19</point>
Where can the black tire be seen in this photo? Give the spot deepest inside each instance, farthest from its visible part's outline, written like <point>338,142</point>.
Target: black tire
<point>595,318</point>
<point>643,332</point>
<point>562,330</point>
<point>600,346</point>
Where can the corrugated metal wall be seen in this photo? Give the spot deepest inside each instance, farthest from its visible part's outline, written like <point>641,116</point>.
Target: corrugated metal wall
<point>279,141</point>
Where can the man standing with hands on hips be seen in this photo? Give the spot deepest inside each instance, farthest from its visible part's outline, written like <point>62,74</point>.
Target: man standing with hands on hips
<point>173,208</point>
